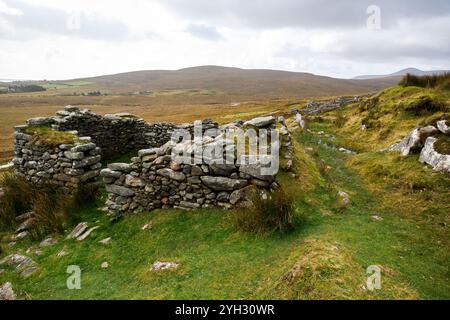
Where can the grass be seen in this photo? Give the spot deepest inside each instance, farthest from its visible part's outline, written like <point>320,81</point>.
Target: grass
<point>45,135</point>
<point>325,258</point>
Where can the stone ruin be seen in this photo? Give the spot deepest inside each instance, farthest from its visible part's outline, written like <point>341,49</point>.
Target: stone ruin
<point>152,180</point>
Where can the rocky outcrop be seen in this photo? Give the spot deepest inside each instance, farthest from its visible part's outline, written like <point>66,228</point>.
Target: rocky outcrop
<point>414,141</point>
<point>439,162</point>
<point>422,139</point>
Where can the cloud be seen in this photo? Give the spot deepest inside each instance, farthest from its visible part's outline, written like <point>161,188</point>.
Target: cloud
<point>203,31</point>
<point>269,14</point>
<point>37,19</point>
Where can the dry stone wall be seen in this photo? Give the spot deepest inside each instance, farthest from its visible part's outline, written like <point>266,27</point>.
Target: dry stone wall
<point>96,138</point>
<point>154,180</point>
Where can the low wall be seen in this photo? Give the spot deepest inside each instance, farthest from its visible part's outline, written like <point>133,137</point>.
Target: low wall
<point>115,134</point>
<point>68,165</point>
<point>154,180</point>
<point>95,138</point>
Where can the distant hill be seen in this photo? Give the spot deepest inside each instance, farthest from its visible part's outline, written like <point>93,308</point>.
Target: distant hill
<point>235,82</point>
<point>401,73</point>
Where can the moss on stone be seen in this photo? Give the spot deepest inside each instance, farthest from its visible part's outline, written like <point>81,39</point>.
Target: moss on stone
<point>44,135</point>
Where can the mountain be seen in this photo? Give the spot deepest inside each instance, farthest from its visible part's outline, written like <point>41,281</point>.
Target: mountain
<point>234,82</point>
<point>401,73</point>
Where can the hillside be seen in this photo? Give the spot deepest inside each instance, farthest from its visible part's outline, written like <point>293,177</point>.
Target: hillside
<point>235,82</point>
<point>401,73</point>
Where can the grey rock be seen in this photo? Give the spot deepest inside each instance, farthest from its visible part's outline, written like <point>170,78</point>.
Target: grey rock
<point>87,233</point>
<point>443,127</point>
<point>133,181</point>
<point>241,194</point>
<point>261,122</point>
<point>119,190</point>
<point>48,242</point>
<point>189,205</point>
<point>168,173</point>
<point>78,230</point>
<point>110,173</point>
<point>7,292</point>
<point>255,171</point>
<point>83,147</point>
<point>413,141</point>
<point>222,169</point>
<point>122,167</point>
<point>222,183</point>
<point>164,265</point>
<point>429,155</point>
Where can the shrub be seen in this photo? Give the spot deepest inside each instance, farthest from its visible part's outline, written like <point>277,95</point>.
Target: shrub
<point>340,120</point>
<point>274,213</point>
<point>51,205</point>
<point>440,81</point>
<point>15,200</point>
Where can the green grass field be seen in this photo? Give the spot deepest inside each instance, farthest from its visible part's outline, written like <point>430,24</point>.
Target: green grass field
<point>324,258</point>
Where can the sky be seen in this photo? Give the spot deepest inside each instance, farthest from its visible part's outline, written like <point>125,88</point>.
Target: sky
<point>65,39</point>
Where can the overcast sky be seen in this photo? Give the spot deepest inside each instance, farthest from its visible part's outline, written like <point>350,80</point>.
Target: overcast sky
<point>61,39</point>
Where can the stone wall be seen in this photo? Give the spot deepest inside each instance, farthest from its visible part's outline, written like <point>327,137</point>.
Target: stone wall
<point>153,180</point>
<point>68,165</point>
<point>115,134</point>
<point>96,138</point>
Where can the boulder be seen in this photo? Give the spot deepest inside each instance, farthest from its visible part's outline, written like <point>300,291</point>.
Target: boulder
<point>222,183</point>
<point>261,122</point>
<point>439,162</point>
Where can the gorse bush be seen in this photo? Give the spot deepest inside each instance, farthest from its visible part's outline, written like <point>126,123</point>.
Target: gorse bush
<point>439,81</point>
<point>274,213</point>
<point>52,207</point>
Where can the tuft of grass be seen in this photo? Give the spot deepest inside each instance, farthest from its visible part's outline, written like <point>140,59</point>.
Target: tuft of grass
<point>269,213</point>
<point>46,136</point>
<point>52,206</point>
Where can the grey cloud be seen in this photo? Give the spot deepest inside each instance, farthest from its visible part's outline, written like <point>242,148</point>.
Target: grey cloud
<point>304,13</point>
<point>38,19</point>
<point>203,31</point>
